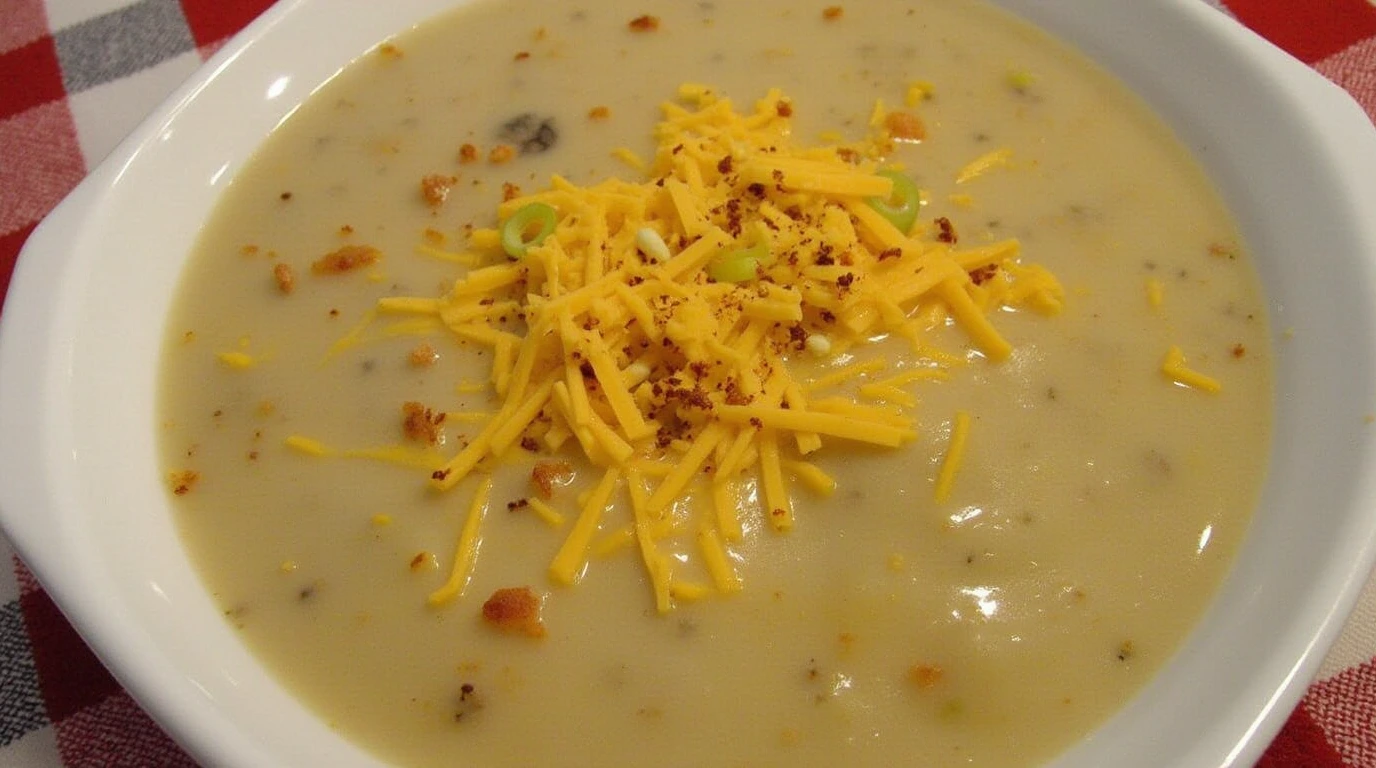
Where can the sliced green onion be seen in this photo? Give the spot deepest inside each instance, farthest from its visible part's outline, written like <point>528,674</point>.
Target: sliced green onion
<point>527,228</point>
<point>738,265</point>
<point>902,205</point>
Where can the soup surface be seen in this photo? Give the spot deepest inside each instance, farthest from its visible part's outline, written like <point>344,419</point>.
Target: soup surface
<point>1098,504</point>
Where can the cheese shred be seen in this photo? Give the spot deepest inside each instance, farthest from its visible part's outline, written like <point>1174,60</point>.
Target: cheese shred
<point>467,551</point>
<point>955,456</point>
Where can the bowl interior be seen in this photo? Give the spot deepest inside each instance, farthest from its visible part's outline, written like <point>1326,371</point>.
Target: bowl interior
<point>84,501</point>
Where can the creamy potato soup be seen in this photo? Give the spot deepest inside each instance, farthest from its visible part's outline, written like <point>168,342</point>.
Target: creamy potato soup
<point>784,476</point>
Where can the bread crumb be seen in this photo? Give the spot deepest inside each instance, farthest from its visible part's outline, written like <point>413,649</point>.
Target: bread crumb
<point>434,188</point>
<point>924,675</point>
<point>421,424</point>
<point>515,609</point>
<point>547,474</point>
<point>905,126</point>
<point>345,259</point>
<point>423,355</point>
<point>501,153</point>
<point>285,277</point>
<point>183,481</point>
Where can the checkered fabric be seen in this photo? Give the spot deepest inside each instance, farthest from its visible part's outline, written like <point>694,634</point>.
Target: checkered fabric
<point>76,75</point>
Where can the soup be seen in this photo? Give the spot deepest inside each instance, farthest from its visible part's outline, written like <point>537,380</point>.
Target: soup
<point>1048,523</point>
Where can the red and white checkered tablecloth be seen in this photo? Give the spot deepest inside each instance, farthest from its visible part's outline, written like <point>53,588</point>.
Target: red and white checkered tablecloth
<point>76,75</point>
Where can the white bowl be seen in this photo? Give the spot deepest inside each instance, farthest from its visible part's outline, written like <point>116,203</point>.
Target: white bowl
<point>81,492</point>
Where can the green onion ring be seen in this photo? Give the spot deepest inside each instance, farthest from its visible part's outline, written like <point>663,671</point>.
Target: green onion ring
<point>738,265</point>
<point>515,240</point>
<point>902,205</point>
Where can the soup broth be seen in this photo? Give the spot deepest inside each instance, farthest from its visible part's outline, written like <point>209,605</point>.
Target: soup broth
<point>1097,507</point>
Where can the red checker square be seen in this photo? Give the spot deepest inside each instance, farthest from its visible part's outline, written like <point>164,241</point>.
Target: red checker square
<point>29,75</point>
<point>213,20</point>
<point>69,675</point>
<point>25,21</point>
<point>115,732</point>
<point>1354,69</point>
<point>9,253</point>
<point>42,162</point>
<point>1309,30</point>
<point>1301,742</point>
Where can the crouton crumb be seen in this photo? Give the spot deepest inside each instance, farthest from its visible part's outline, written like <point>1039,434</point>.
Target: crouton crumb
<point>420,423</point>
<point>183,481</point>
<point>434,188</point>
<point>345,259</point>
<point>285,277</point>
<point>905,126</point>
<point>423,355</point>
<point>515,609</point>
<point>547,474</point>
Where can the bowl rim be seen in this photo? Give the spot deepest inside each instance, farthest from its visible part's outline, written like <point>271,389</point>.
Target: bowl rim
<point>46,342</point>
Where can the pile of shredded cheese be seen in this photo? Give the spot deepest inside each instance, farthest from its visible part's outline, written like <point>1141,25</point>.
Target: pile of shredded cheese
<point>610,339</point>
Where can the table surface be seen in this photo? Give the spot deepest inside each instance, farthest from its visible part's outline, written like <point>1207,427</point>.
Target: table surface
<point>77,75</point>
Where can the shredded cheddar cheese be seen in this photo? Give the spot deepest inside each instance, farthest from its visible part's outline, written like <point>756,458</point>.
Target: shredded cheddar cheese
<point>467,550</point>
<point>1176,369</point>
<point>955,456</point>
<point>612,336</point>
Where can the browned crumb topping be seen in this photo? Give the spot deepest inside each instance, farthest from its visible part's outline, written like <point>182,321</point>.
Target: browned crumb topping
<point>501,153</point>
<point>833,12</point>
<point>420,423</point>
<point>285,277</point>
<point>434,188</point>
<point>924,675</point>
<point>1126,650</point>
<point>946,231</point>
<point>468,153</point>
<point>905,126</point>
<point>345,259</point>
<point>423,355</point>
<point>424,559</point>
<point>467,703</point>
<point>547,474</point>
<point>183,481</point>
<point>599,113</point>
<point>515,609</point>
<point>1222,251</point>
<point>644,23</point>
<point>984,274</point>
